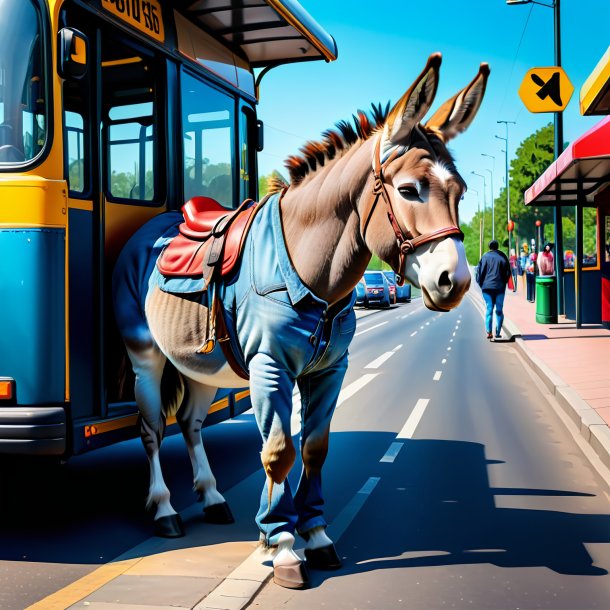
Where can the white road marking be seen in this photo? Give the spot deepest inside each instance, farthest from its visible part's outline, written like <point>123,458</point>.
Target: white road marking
<point>413,420</point>
<point>454,334</point>
<point>379,361</point>
<point>437,375</point>
<point>450,340</point>
<point>421,328</point>
<point>391,453</point>
<point>443,360</point>
<point>342,521</point>
<point>366,330</point>
<point>352,388</point>
<point>448,349</point>
<point>413,333</point>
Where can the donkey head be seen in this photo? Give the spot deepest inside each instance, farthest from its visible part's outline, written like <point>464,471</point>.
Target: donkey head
<point>419,188</point>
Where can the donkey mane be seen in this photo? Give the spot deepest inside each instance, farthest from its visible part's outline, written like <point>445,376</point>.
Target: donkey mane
<point>334,141</point>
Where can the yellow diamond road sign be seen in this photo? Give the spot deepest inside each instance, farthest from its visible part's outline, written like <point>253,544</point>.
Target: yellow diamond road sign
<point>546,89</point>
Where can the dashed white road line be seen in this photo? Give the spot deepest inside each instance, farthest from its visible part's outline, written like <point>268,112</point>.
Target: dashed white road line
<point>342,521</point>
<point>379,361</point>
<point>413,333</point>
<point>407,431</point>
<point>366,330</point>
<point>443,360</point>
<point>437,375</point>
<point>413,420</point>
<point>392,452</point>
<point>352,388</point>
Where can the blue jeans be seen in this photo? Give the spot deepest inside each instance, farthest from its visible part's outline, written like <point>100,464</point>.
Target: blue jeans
<point>494,299</point>
<point>287,335</point>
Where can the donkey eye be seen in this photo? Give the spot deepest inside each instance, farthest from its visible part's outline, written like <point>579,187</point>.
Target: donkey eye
<point>409,192</point>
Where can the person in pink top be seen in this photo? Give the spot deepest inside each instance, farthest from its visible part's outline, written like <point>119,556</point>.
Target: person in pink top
<point>546,261</point>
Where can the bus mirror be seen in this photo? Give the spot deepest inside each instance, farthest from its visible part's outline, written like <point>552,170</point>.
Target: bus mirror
<point>72,54</point>
<point>260,136</point>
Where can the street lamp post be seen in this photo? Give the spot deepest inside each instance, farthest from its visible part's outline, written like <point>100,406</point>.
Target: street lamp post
<point>557,215</point>
<point>484,197</point>
<point>493,201</point>
<point>480,222</point>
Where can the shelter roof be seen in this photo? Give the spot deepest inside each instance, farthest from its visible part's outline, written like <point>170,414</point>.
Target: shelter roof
<point>595,92</point>
<point>585,163</point>
<point>267,32</point>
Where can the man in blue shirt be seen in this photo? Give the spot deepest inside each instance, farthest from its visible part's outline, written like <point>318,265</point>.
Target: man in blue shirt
<point>492,275</point>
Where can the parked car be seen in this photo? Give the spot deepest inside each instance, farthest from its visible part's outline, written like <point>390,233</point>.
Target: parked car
<point>403,293</point>
<point>377,289</point>
<point>361,293</point>
<point>391,285</point>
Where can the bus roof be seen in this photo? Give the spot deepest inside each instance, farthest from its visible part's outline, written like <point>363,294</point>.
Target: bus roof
<point>267,31</point>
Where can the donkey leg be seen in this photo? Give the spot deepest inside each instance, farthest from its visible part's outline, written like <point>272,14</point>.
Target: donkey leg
<point>271,394</point>
<point>148,362</point>
<point>191,416</point>
<point>319,394</point>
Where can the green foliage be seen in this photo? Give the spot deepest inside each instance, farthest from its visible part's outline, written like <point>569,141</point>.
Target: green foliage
<point>532,158</point>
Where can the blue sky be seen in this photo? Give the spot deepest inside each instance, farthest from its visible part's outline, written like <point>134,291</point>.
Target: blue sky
<point>383,45</point>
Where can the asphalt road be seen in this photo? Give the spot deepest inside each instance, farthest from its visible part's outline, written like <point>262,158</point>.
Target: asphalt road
<point>451,483</point>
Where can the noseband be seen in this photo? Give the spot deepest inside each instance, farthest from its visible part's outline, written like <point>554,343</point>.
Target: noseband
<point>406,245</point>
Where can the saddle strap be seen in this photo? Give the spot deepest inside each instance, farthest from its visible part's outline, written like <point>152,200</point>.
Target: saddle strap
<point>226,346</point>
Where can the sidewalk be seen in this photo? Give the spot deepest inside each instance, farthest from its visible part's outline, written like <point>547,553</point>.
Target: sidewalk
<point>574,363</point>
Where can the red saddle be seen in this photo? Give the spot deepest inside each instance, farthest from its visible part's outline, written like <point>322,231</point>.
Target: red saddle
<point>211,238</point>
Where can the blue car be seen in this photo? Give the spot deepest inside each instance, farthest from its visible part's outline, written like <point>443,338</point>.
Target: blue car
<point>377,289</point>
<point>403,293</point>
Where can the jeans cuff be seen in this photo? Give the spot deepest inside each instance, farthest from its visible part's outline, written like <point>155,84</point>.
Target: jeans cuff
<point>303,528</point>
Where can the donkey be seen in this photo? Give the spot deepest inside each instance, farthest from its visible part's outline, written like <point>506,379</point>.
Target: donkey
<point>386,186</point>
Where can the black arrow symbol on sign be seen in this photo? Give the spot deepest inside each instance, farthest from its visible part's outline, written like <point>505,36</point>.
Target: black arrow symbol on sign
<point>550,88</point>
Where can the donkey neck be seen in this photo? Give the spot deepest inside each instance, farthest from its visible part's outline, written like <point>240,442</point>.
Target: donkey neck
<point>322,226</point>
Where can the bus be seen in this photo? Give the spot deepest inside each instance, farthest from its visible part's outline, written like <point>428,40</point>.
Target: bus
<point>113,111</point>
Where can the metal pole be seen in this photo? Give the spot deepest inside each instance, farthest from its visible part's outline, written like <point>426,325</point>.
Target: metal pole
<point>484,196</point>
<point>493,215</point>
<point>558,146</point>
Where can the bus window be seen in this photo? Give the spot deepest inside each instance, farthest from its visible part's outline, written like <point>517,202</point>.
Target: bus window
<point>22,87</point>
<point>75,135</point>
<point>130,133</point>
<point>130,152</point>
<point>208,136</point>
<point>246,161</point>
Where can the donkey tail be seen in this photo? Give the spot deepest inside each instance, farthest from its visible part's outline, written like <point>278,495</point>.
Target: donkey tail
<point>173,389</point>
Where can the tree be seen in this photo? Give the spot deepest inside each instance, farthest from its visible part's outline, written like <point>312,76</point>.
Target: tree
<point>532,158</point>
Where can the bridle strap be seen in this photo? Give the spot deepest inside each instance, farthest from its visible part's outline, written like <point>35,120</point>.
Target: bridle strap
<point>405,244</point>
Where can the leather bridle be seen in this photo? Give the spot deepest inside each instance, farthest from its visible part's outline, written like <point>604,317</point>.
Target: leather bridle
<point>406,244</point>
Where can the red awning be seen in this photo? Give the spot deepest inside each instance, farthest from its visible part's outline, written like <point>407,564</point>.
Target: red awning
<point>586,162</point>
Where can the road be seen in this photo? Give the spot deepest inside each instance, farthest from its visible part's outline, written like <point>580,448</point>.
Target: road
<point>452,482</point>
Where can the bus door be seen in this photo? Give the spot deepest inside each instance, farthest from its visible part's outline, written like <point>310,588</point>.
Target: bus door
<point>115,163</point>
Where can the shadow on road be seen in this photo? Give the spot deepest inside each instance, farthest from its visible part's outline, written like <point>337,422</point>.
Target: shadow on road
<point>434,507</point>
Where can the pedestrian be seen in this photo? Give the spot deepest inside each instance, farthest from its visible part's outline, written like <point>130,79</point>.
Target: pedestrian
<point>546,261</point>
<point>514,267</point>
<point>530,277</point>
<point>492,275</point>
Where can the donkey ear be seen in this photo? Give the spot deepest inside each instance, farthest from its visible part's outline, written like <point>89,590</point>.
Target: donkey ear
<point>456,114</point>
<point>413,105</point>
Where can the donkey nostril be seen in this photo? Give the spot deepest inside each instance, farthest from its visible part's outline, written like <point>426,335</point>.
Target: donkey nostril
<point>444,281</point>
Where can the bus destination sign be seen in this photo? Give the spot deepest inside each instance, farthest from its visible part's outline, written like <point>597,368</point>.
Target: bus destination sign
<point>143,15</point>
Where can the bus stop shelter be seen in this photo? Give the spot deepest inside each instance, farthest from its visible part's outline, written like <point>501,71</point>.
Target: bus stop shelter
<point>579,177</point>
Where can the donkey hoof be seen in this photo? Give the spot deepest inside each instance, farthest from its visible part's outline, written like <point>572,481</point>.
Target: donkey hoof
<point>220,514</point>
<point>169,526</point>
<point>292,576</point>
<point>324,558</point>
